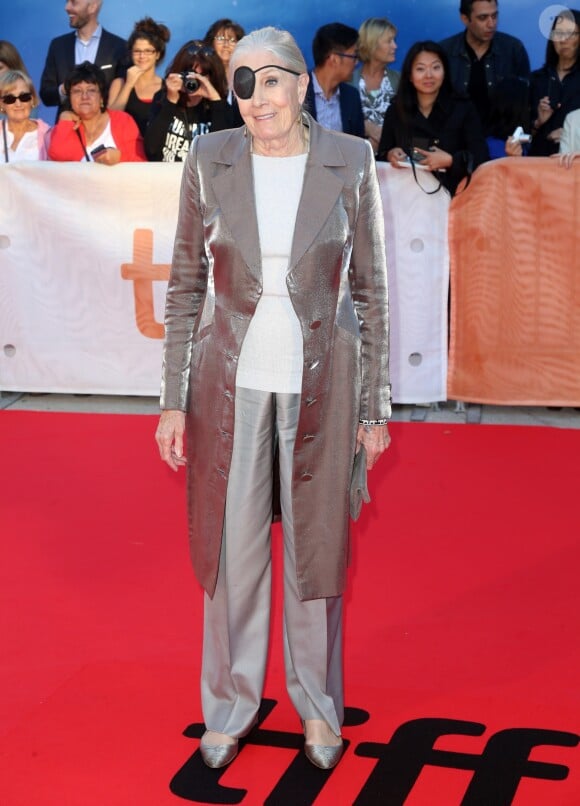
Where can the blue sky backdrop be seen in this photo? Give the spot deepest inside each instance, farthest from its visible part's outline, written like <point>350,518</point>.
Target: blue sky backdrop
<point>31,24</point>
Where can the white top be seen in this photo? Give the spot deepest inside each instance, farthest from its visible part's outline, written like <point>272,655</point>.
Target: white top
<point>30,148</point>
<point>105,139</point>
<point>272,353</point>
<point>570,140</point>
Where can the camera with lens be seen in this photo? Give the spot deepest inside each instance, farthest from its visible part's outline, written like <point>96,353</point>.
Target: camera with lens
<point>189,84</point>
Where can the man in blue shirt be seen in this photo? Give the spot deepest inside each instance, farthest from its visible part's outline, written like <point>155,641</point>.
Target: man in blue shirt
<point>89,42</point>
<point>330,99</point>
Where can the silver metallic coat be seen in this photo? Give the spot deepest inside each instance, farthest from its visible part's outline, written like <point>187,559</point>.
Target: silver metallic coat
<point>338,287</point>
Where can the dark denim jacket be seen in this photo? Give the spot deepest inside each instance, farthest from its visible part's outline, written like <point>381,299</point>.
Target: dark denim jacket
<point>505,58</point>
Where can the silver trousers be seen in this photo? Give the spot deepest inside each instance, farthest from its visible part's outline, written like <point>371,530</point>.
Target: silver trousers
<point>237,618</point>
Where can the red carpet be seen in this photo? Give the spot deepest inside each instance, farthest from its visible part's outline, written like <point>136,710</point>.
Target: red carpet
<point>462,625</point>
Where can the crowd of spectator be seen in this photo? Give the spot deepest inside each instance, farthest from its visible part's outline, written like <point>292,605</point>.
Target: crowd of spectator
<point>454,104</point>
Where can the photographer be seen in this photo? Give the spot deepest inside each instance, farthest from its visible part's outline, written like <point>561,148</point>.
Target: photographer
<point>192,102</point>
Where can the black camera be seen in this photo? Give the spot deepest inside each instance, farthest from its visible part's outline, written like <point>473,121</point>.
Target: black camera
<point>189,84</point>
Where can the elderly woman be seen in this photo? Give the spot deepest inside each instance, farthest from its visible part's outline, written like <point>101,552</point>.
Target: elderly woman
<point>430,122</point>
<point>23,139</point>
<point>192,102</point>
<point>276,338</point>
<point>89,131</point>
<point>376,82</point>
<point>134,94</point>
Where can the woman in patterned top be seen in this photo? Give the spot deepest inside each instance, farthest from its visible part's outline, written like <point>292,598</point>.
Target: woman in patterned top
<point>376,83</point>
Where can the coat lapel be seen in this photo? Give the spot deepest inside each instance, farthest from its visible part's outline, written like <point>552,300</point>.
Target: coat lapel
<point>322,188</point>
<point>233,186</point>
<point>234,190</point>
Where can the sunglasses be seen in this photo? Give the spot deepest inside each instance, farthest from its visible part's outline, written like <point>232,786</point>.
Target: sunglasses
<point>24,97</point>
<point>245,79</point>
<point>204,50</point>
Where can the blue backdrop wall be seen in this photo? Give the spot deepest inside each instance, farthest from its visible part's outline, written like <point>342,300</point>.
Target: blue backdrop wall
<point>30,24</point>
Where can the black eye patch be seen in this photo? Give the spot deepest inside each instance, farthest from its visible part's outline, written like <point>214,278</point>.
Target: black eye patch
<point>245,79</point>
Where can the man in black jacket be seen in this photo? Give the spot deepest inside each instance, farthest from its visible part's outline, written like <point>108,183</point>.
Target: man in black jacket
<point>89,42</point>
<point>481,56</point>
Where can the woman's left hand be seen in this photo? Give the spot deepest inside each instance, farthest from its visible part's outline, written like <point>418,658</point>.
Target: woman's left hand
<point>110,156</point>
<point>566,159</point>
<point>206,88</point>
<point>375,439</point>
<point>556,135</point>
<point>435,158</point>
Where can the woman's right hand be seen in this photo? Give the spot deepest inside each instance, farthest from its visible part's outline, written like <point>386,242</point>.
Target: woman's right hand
<point>545,111</point>
<point>395,156</point>
<point>133,74</point>
<point>373,133</point>
<point>68,114</point>
<point>173,86</point>
<point>169,438</point>
<point>513,148</point>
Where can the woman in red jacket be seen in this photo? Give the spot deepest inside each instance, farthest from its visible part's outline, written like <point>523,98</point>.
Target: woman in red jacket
<point>88,131</point>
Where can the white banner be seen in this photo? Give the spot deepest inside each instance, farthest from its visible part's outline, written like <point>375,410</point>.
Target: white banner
<point>418,269</point>
<point>84,252</point>
<point>84,259</point>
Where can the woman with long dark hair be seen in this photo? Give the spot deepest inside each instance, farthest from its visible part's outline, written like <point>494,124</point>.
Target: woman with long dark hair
<point>429,122</point>
<point>555,87</point>
<point>192,102</point>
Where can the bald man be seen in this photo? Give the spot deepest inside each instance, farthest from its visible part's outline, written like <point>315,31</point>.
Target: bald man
<point>87,42</point>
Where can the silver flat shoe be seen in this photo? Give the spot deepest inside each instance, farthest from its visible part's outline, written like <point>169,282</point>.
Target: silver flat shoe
<point>322,756</point>
<point>218,755</point>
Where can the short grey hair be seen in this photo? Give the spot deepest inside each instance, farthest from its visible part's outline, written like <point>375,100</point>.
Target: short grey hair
<point>281,44</point>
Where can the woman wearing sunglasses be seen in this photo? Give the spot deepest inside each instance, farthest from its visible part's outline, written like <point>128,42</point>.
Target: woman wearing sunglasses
<point>192,102</point>
<point>22,139</point>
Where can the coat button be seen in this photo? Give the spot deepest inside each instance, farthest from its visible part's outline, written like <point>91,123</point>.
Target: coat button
<point>314,364</point>
<point>307,477</point>
<point>228,395</point>
<point>308,437</point>
<point>310,401</point>
<point>315,325</point>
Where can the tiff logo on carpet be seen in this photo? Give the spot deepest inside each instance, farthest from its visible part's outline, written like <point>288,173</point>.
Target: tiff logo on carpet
<point>498,770</point>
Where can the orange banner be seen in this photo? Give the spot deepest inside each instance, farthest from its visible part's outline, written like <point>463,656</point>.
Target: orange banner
<point>514,242</point>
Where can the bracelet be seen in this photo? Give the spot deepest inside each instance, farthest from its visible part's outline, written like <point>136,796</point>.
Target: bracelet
<point>383,421</point>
